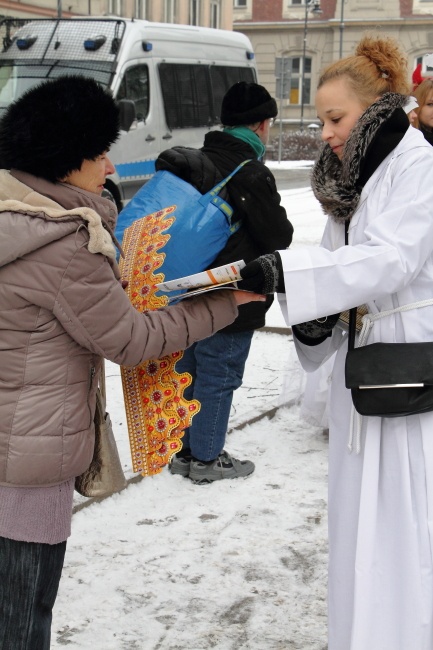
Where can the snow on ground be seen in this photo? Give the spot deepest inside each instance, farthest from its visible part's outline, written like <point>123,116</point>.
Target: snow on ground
<point>236,565</point>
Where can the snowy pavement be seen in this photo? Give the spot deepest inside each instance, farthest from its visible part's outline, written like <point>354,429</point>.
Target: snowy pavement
<point>236,565</point>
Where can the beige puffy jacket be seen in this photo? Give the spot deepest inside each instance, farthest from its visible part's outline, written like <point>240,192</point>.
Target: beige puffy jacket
<point>62,309</point>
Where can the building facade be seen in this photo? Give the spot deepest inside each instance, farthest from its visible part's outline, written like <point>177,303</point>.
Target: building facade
<point>293,41</point>
<point>206,13</point>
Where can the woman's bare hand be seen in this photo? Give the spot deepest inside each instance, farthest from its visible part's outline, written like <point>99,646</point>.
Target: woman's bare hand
<point>242,297</point>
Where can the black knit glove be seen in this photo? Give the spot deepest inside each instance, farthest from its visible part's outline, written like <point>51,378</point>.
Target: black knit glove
<point>313,332</point>
<point>263,275</point>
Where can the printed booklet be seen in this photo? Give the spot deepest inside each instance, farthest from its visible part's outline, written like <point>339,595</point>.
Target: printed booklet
<point>221,277</point>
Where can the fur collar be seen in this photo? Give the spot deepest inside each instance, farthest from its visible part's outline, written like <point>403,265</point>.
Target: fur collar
<point>29,201</point>
<point>338,184</point>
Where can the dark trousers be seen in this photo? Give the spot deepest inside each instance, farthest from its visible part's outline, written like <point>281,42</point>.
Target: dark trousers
<point>217,367</point>
<point>29,580</point>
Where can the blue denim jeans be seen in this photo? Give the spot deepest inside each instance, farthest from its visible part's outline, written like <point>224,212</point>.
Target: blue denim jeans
<point>29,580</point>
<point>217,366</point>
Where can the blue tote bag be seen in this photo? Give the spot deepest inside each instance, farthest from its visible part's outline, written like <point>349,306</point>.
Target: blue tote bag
<point>201,227</point>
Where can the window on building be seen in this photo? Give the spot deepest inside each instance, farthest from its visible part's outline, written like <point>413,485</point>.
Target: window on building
<point>170,11</point>
<point>299,95</point>
<point>140,8</point>
<point>240,3</point>
<point>215,14</point>
<point>135,86</point>
<point>194,12</point>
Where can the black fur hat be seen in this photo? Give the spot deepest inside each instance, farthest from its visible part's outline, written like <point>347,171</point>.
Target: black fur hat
<point>247,103</point>
<point>52,128</point>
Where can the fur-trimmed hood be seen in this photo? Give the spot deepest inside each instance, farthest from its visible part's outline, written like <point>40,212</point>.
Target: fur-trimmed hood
<point>338,184</point>
<point>20,199</point>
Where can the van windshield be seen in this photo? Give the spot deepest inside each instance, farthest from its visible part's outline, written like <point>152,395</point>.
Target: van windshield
<point>16,78</point>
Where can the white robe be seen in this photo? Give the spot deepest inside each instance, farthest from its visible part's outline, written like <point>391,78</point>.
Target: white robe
<point>380,501</point>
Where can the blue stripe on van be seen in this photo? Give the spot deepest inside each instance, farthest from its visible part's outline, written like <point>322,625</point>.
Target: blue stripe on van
<point>141,168</point>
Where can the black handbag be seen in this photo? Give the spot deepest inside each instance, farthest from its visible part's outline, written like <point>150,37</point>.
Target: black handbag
<point>391,379</point>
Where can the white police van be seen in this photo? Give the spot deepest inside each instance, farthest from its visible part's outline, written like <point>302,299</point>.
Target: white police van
<point>169,80</point>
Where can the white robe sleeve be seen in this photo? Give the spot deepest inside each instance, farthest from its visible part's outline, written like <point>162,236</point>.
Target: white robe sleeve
<point>390,236</point>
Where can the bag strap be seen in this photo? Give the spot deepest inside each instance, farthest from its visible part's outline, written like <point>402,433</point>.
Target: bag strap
<point>217,189</point>
<point>102,386</point>
<point>212,197</point>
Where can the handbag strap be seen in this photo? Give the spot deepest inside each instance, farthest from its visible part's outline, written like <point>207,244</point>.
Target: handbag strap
<point>102,385</point>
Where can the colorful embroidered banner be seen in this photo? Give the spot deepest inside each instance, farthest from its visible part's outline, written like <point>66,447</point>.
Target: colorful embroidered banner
<point>156,410</point>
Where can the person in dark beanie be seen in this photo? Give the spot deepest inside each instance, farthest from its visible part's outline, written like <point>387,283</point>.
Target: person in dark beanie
<point>63,310</point>
<point>217,364</point>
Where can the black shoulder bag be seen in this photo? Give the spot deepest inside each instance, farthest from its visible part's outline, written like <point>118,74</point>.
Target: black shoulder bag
<point>389,379</point>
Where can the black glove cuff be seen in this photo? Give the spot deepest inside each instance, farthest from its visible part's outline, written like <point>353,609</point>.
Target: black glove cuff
<point>272,267</point>
<point>270,272</point>
<point>306,340</point>
<point>313,332</point>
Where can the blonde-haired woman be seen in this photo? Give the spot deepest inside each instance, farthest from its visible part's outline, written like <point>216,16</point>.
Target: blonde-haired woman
<point>424,114</point>
<point>374,180</point>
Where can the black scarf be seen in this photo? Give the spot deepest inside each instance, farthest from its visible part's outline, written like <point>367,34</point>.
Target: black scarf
<point>338,184</point>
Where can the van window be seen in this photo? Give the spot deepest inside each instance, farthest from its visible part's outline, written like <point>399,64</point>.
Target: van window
<point>193,94</point>
<point>185,90</point>
<point>224,77</point>
<point>17,76</point>
<point>135,86</point>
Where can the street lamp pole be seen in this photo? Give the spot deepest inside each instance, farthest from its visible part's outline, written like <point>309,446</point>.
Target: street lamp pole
<point>304,50</point>
<point>315,9</point>
<point>341,28</point>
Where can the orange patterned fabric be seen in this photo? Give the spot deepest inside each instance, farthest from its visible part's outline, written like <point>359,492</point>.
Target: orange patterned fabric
<point>156,410</point>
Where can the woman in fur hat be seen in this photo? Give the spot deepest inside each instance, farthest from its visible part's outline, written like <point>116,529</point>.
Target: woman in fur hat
<point>62,310</point>
<point>374,179</point>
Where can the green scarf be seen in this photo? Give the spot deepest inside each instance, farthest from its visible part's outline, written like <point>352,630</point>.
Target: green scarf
<point>248,136</point>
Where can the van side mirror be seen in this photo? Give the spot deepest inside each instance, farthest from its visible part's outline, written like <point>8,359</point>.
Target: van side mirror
<point>127,113</point>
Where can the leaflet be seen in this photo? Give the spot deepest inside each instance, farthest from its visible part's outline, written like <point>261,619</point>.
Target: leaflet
<point>205,280</point>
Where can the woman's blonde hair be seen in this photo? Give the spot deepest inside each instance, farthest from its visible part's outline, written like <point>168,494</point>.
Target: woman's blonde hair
<point>378,66</point>
<point>422,93</point>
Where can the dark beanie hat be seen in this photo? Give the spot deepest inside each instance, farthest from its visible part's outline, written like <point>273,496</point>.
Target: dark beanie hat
<point>247,103</point>
<point>52,128</point>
